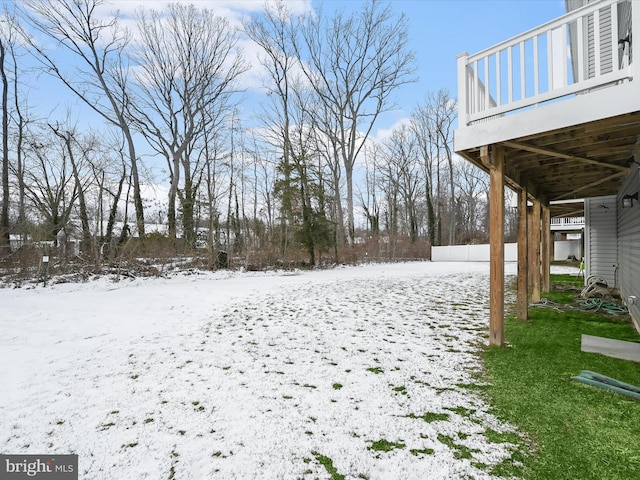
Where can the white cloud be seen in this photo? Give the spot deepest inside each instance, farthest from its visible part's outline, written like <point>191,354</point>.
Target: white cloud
<point>382,134</point>
<point>233,10</point>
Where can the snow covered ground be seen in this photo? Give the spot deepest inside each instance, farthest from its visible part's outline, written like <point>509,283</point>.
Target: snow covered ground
<point>253,375</point>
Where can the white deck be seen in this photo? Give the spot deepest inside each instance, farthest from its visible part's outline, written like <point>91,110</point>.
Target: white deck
<point>573,70</point>
<point>567,223</point>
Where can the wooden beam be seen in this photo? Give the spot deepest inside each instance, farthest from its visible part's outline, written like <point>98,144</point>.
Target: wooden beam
<point>590,185</point>
<point>566,156</point>
<point>534,236</point>
<point>631,148</point>
<point>496,247</point>
<point>619,121</point>
<point>546,248</point>
<point>522,304</point>
<point>484,156</point>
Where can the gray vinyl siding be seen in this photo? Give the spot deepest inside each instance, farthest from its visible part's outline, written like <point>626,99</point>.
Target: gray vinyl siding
<point>605,27</point>
<point>629,244</point>
<point>601,238</point>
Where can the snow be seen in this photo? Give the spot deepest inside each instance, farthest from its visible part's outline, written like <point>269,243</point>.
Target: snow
<point>252,375</point>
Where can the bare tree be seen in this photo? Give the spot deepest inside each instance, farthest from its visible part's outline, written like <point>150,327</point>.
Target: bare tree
<point>49,182</point>
<point>70,141</point>
<point>271,32</point>
<point>424,131</point>
<point>4,213</point>
<point>264,167</point>
<point>402,152</point>
<point>290,130</point>
<point>444,110</point>
<point>188,62</point>
<point>110,172</point>
<point>472,185</point>
<point>21,122</point>
<point>325,126</point>
<point>18,114</point>
<point>99,78</point>
<point>354,62</point>
<point>371,205</point>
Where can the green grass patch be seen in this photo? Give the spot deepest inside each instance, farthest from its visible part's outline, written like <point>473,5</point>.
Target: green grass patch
<point>375,370</point>
<point>430,417</point>
<point>562,297</point>
<point>502,437</point>
<point>337,386</point>
<point>575,431</point>
<point>401,390</point>
<point>462,411</point>
<point>426,451</point>
<point>327,463</point>
<point>566,279</point>
<point>459,451</point>
<point>385,445</point>
<point>473,387</point>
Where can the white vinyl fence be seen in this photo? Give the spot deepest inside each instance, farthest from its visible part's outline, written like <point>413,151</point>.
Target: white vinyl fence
<point>471,253</point>
<point>480,253</point>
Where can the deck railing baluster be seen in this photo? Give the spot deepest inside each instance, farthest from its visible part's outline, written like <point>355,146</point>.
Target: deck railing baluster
<point>536,70</point>
<point>566,76</point>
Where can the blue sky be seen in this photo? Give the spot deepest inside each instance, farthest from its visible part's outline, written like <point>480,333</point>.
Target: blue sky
<point>439,30</point>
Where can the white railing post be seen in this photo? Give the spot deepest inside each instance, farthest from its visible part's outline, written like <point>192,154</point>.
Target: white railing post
<point>581,64</point>
<point>463,91</point>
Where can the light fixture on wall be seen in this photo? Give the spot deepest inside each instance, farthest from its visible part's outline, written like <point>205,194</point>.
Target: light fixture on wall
<point>627,200</point>
<point>623,41</point>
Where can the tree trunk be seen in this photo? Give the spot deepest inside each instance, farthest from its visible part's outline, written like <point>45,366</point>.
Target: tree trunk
<point>4,215</point>
<point>187,202</point>
<point>350,220</point>
<point>173,192</point>
<point>135,176</point>
<point>113,211</point>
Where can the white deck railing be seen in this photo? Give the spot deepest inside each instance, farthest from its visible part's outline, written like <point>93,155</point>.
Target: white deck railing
<point>560,223</point>
<point>582,50</point>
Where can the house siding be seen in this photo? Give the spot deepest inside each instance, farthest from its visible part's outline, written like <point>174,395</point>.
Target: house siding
<point>605,27</point>
<point>629,245</point>
<point>606,57</point>
<point>601,238</point>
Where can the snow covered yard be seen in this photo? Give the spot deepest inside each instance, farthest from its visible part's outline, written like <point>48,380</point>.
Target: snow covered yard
<point>253,375</point>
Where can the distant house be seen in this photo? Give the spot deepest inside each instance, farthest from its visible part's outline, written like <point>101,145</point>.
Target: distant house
<point>554,113</point>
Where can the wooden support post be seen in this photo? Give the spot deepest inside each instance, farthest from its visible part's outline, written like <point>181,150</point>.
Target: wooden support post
<point>496,247</point>
<point>530,252</point>
<point>534,235</point>
<point>546,250</point>
<point>522,310</point>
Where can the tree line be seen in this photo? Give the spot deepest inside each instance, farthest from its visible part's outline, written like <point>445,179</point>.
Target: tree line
<point>299,176</point>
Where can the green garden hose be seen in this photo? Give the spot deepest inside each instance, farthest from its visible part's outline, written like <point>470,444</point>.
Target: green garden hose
<point>591,305</point>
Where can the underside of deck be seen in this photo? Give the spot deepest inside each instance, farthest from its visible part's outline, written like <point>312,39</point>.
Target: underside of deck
<point>586,160</point>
